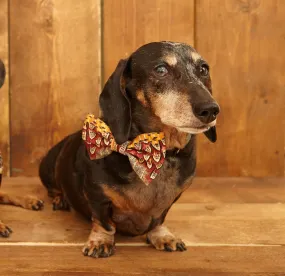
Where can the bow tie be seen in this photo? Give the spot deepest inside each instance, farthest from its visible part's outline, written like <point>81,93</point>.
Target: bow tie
<point>146,152</point>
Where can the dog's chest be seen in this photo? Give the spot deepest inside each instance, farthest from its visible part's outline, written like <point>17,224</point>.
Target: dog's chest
<point>138,204</point>
<point>159,194</point>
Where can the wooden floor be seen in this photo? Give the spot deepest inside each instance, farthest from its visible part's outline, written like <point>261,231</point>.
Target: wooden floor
<point>232,226</point>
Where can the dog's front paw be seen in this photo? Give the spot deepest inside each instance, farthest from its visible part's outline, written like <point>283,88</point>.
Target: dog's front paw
<point>162,239</point>
<point>168,243</point>
<point>101,243</point>
<point>5,231</point>
<point>98,249</point>
<point>33,203</point>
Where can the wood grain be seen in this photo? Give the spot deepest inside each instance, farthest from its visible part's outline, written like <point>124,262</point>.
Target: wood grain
<point>243,42</point>
<point>261,224</point>
<point>4,91</point>
<point>203,189</point>
<point>196,273</point>
<point>144,261</point>
<point>129,24</point>
<point>235,190</point>
<point>55,68</point>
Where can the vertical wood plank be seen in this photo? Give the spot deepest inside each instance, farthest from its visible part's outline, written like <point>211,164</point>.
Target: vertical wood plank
<point>55,68</point>
<point>4,91</point>
<point>244,44</point>
<point>129,24</point>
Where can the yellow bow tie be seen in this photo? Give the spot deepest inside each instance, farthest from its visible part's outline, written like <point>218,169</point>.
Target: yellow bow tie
<point>146,152</point>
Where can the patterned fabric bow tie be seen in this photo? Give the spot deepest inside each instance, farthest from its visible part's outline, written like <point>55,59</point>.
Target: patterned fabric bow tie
<point>146,152</point>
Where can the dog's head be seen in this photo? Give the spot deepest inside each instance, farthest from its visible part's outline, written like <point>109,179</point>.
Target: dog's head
<point>2,73</point>
<point>169,79</point>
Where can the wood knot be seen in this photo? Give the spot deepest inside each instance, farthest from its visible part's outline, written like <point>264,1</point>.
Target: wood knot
<point>210,207</point>
<point>45,16</point>
<point>247,6</point>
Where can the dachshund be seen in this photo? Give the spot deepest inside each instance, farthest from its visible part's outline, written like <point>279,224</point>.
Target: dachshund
<point>163,87</point>
<point>27,202</point>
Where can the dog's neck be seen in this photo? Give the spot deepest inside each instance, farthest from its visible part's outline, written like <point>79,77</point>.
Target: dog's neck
<point>144,121</point>
<point>174,138</point>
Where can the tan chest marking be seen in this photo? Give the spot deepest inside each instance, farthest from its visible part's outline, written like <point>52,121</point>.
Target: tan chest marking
<point>151,200</point>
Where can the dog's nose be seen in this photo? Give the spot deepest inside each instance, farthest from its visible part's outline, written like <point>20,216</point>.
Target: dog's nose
<point>206,113</point>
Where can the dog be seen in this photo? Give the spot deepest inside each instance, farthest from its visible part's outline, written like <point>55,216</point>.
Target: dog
<point>163,87</point>
<point>27,202</point>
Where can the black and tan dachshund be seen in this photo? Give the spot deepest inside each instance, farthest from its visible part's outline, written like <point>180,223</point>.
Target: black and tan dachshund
<point>162,87</point>
<point>27,202</point>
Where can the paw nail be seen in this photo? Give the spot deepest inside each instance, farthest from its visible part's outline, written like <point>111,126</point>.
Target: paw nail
<point>85,252</point>
<point>168,248</point>
<point>9,229</point>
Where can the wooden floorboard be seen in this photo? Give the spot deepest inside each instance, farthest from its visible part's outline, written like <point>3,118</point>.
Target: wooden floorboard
<point>203,189</point>
<point>232,226</point>
<point>199,223</point>
<point>145,260</point>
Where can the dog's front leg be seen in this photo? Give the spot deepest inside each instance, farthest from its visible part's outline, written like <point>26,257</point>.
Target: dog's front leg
<point>162,239</point>
<point>101,241</point>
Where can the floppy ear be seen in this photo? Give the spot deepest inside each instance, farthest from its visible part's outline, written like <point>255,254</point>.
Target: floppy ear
<point>2,73</point>
<point>115,105</point>
<point>211,134</point>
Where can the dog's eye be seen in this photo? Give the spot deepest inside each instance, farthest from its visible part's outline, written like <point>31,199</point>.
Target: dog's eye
<point>161,70</point>
<point>204,70</point>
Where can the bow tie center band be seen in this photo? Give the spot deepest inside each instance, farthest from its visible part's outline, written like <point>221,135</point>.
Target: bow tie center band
<point>146,152</point>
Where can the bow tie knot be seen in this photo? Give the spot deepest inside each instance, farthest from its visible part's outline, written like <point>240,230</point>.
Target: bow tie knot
<point>146,152</point>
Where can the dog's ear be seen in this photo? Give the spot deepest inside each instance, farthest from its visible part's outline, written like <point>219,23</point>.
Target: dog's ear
<point>2,73</point>
<point>115,104</point>
<point>211,134</point>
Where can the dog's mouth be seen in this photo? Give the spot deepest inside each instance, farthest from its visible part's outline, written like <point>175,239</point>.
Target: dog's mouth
<point>196,129</point>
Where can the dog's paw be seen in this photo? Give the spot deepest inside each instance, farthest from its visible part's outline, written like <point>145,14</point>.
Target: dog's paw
<point>162,239</point>
<point>98,249</point>
<point>59,203</point>
<point>33,203</point>
<point>168,243</point>
<point>5,231</point>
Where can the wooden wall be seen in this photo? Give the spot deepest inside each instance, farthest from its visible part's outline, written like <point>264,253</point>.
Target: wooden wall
<point>4,92</point>
<point>59,53</point>
<point>55,74</point>
<point>244,42</point>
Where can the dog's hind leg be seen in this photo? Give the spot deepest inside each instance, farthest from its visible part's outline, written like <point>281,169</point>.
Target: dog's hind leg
<point>47,175</point>
<point>59,202</point>
<point>58,199</point>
